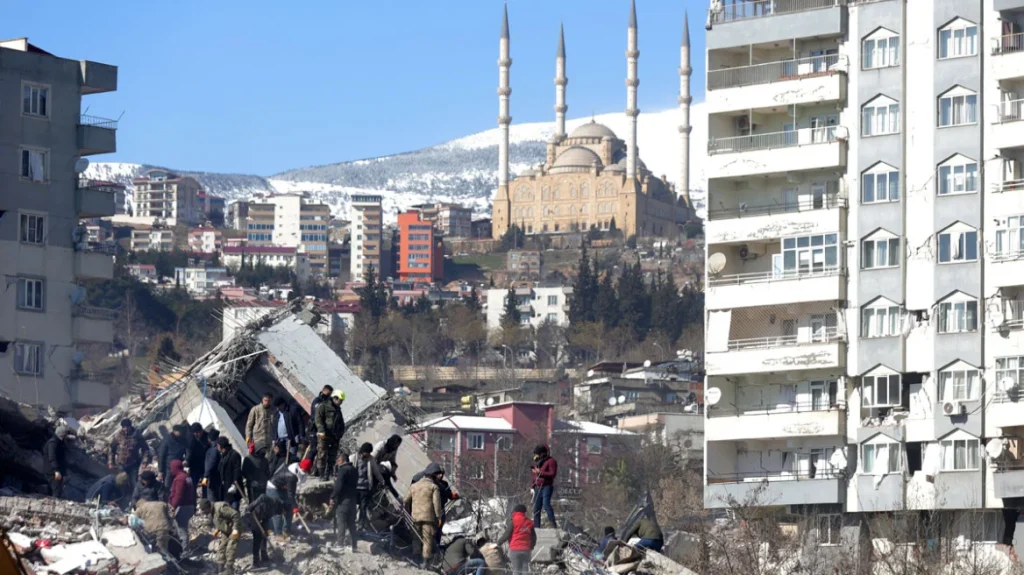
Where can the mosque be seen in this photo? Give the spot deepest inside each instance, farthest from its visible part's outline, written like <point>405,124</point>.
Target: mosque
<point>590,176</point>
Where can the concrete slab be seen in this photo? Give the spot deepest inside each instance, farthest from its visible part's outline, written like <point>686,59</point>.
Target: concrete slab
<point>548,541</point>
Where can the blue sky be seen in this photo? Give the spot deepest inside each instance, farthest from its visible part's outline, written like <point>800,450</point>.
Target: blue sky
<point>265,86</point>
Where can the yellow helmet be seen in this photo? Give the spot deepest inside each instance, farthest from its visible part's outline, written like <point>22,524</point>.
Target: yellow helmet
<point>340,395</point>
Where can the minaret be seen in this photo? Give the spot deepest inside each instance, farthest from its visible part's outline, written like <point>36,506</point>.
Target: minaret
<point>502,221</point>
<point>632,81</point>
<point>560,83</point>
<point>684,112</point>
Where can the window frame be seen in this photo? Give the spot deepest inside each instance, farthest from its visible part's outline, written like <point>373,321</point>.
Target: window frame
<point>875,241</point>
<point>47,103</point>
<point>962,316</point>
<point>829,241</point>
<point>1003,369</point>
<point>948,180</point>
<point>24,228</point>
<point>889,330</point>
<point>962,25</point>
<point>24,163</point>
<point>1005,236</point>
<point>891,453</point>
<point>38,296</point>
<point>891,51</point>
<point>592,448</point>
<point>834,525</point>
<point>875,378</point>
<point>969,463</point>
<point>892,117</point>
<point>20,348</point>
<point>471,438</point>
<point>949,392</point>
<point>963,233</point>
<point>965,107</point>
<point>875,174</point>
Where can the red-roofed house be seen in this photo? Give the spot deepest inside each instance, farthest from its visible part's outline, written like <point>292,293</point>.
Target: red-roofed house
<point>204,240</point>
<point>274,256</point>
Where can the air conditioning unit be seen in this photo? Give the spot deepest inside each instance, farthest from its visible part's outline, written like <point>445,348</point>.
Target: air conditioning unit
<point>951,408</point>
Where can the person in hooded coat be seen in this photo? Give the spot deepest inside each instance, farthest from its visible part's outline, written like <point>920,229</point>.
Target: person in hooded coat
<point>172,447</point>
<point>55,452</point>
<point>182,498</point>
<point>230,470</point>
<point>147,489</point>
<point>195,455</point>
<point>211,468</point>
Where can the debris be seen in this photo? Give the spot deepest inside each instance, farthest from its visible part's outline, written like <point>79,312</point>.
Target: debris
<point>66,558</point>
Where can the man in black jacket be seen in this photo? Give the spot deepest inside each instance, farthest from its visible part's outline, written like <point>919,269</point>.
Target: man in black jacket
<point>230,468</point>
<point>148,488</point>
<point>286,424</point>
<point>345,499</point>
<point>55,451</point>
<point>211,471</point>
<point>172,447</point>
<point>255,473</point>
<point>195,455</point>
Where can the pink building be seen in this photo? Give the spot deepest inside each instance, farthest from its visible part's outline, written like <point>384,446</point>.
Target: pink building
<point>204,240</point>
<point>492,453</point>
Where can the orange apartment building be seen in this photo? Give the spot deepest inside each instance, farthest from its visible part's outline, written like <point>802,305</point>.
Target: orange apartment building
<point>420,249</point>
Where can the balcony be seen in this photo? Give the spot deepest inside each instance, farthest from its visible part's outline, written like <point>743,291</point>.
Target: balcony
<point>96,135</point>
<point>93,200</point>
<point>767,489</point>
<point>823,350</point>
<point>1006,269</point>
<point>810,80</point>
<point>776,288</point>
<point>773,20</point>
<point>1007,128</point>
<point>1008,479</point>
<point>777,152</point>
<point>87,392</point>
<point>732,423</point>
<point>1009,186</point>
<point>755,222</point>
<point>880,492</point>
<point>93,324</point>
<point>1005,409</point>
<point>95,262</point>
<point>1008,57</point>
<point>97,78</point>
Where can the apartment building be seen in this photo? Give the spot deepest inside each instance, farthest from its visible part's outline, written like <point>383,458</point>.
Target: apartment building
<point>204,240</point>
<point>367,228</point>
<point>536,302</point>
<point>111,187</point>
<point>202,281</point>
<point>452,220</point>
<point>274,256</point>
<point>167,197</point>
<point>157,239</point>
<point>420,249</point>
<point>863,328</point>
<point>237,216</point>
<point>45,324</point>
<point>290,221</point>
<point>209,203</point>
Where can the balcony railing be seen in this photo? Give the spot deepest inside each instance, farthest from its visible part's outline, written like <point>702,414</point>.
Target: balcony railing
<point>1009,111</point>
<point>732,10</point>
<point>773,140</point>
<point>1013,315</point>
<point>1007,255</point>
<point>771,476</point>
<point>778,408</point>
<point>828,201</point>
<point>94,312</point>
<point>97,122</point>
<point>1008,44</point>
<point>775,71</point>
<point>1010,186</point>
<point>774,276</point>
<point>826,335</point>
<point>99,248</point>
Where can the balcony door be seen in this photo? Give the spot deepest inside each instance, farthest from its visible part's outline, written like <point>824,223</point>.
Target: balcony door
<point>823,128</point>
<point>821,326</point>
<point>818,191</point>
<point>824,59</point>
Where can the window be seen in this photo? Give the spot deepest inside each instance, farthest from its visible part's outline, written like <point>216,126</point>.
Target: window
<point>1010,367</point>
<point>30,294</point>
<point>1010,238</point>
<point>958,316</point>
<point>881,320</point>
<point>881,458</point>
<point>476,441</point>
<point>880,116</point>
<point>880,50</point>
<point>829,528</point>
<point>594,445</point>
<point>28,358</point>
<point>505,443</point>
<point>959,244</point>
<point>961,384</point>
<point>957,39</point>
<point>35,100</point>
<point>552,317</point>
<point>958,107</point>
<point>805,255</point>
<point>552,300</point>
<point>959,175</point>
<point>881,390</point>
<point>34,164</point>
<point>881,252</point>
<point>475,471</point>
<point>880,184</point>
<point>441,441</point>
<point>960,455</point>
<point>33,227</point>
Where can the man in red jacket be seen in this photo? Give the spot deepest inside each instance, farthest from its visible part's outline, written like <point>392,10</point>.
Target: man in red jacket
<point>182,499</point>
<point>544,470</point>
<point>522,538</point>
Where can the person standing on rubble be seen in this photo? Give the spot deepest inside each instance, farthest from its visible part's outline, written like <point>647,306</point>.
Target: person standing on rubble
<point>255,474</point>
<point>261,511</point>
<point>330,427</point>
<point>195,455</point>
<point>345,499</point>
<point>521,536</point>
<point>371,482</point>
<point>127,450</point>
<point>182,499</point>
<point>544,470</point>
<point>257,426</point>
<point>229,469</point>
<point>172,447</point>
<point>55,451</point>
<point>156,523</point>
<point>423,502</point>
<point>287,425</point>
<point>211,471</point>
<point>227,524</point>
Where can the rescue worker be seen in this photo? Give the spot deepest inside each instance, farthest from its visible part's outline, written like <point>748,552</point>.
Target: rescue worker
<point>156,522</point>
<point>262,511</point>
<point>182,498</point>
<point>227,524</point>
<point>195,455</point>
<point>229,469</point>
<point>371,482</point>
<point>257,425</point>
<point>109,489</point>
<point>423,502</point>
<point>649,532</point>
<point>462,557</point>
<point>544,471</point>
<point>55,451</point>
<point>521,537</point>
<point>345,499</point>
<point>172,447</point>
<point>127,451</point>
<point>255,474</point>
<point>330,427</point>
<point>211,465</point>
<point>147,489</point>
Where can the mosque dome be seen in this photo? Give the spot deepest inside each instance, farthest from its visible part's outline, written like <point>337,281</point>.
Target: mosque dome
<point>592,130</point>
<point>576,157</point>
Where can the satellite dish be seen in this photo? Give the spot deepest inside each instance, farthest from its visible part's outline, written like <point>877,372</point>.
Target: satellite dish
<point>743,207</point>
<point>647,363</point>
<point>716,262</point>
<point>622,399</point>
<point>713,396</point>
<point>995,448</point>
<point>77,358</point>
<point>997,316</point>
<point>838,459</point>
<point>1007,383</point>
<point>490,401</point>
<point>77,295</point>
<point>590,373</point>
<point>81,164</point>
<point>611,400</point>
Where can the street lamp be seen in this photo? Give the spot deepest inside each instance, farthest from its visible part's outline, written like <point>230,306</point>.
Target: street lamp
<point>504,358</point>
<point>661,352</point>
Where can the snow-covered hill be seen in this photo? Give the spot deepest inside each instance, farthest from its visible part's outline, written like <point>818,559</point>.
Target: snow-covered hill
<point>461,170</point>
